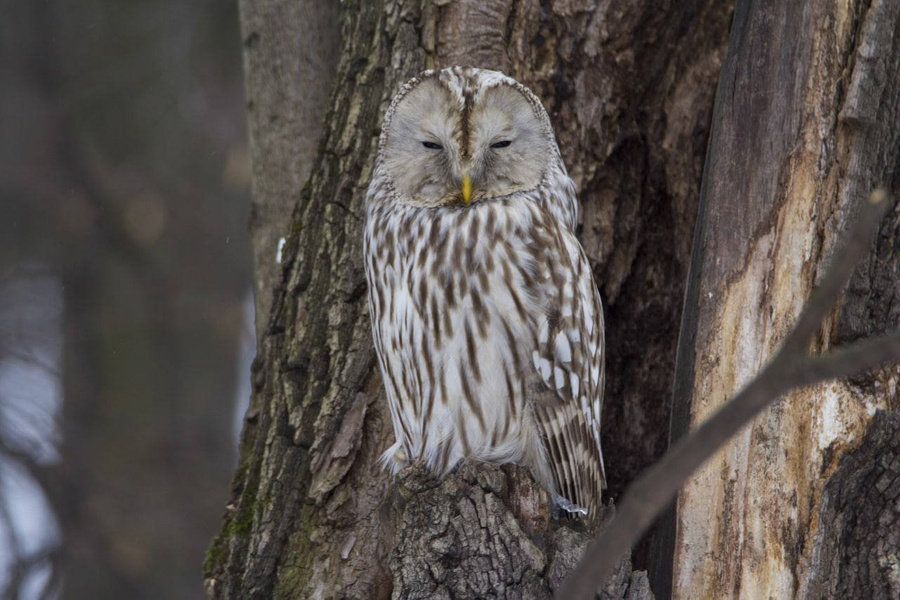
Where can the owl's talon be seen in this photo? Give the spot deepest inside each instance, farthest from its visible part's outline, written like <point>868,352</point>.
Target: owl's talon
<point>564,504</point>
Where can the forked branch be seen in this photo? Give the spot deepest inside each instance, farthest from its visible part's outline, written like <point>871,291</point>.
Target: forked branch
<point>791,367</point>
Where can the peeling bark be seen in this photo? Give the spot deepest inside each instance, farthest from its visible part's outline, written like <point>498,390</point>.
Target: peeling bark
<point>629,89</point>
<point>805,126</point>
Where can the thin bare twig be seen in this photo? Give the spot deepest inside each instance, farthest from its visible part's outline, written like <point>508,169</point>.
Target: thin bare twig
<point>791,367</point>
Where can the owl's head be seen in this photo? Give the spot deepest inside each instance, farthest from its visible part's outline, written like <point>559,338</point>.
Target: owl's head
<point>463,135</point>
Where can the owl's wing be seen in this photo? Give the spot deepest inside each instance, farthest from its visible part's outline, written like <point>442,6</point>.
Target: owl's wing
<point>570,361</point>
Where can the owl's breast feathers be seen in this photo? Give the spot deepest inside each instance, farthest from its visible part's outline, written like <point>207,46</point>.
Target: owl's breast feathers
<point>489,334</point>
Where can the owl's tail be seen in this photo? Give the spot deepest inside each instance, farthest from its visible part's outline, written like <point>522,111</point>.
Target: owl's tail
<point>394,458</point>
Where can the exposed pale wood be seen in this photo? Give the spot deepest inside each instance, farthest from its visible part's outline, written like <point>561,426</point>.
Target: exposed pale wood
<point>805,126</point>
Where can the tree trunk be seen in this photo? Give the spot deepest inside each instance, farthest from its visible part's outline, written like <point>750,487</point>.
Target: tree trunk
<point>805,126</point>
<point>630,90</point>
<point>289,78</point>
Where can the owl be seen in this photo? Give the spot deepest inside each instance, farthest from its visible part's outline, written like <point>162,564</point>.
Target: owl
<point>487,323</point>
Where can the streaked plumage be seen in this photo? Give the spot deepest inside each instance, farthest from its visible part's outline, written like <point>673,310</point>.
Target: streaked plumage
<point>487,323</point>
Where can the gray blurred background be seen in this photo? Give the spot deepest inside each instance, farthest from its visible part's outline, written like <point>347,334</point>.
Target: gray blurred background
<point>126,318</point>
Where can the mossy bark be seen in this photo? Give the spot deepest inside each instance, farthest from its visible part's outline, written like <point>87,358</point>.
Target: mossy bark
<point>629,89</point>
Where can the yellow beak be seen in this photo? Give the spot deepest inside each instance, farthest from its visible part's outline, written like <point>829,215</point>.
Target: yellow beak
<point>467,189</point>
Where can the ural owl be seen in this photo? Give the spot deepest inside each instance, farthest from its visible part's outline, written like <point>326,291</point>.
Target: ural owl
<point>487,323</point>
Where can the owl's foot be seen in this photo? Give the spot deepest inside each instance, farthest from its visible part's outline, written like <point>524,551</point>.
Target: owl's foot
<point>564,505</point>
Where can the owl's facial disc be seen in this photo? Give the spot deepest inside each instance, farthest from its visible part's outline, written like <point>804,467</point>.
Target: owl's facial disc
<point>508,146</point>
<point>443,150</point>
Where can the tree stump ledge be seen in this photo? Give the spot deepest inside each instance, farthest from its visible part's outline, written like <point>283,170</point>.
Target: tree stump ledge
<point>487,532</point>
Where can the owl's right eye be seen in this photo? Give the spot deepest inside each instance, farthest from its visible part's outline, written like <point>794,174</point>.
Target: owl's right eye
<point>432,146</point>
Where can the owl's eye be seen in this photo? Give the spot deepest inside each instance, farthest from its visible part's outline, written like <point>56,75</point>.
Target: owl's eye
<point>432,146</point>
<point>501,144</point>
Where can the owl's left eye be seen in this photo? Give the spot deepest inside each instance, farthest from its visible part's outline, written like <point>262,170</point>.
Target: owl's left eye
<point>432,145</point>
<point>501,144</point>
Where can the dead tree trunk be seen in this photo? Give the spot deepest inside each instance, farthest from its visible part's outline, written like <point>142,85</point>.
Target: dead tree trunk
<point>806,124</point>
<point>630,90</point>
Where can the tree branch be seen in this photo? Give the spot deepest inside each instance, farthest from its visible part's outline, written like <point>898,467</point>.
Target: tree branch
<point>791,367</point>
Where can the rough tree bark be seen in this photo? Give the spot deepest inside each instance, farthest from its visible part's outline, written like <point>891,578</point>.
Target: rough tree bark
<point>806,124</point>
<point>630,90</point>
<point>855,556</point>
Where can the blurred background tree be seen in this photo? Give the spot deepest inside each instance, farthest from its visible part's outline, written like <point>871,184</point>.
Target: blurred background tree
<point>126,320</point>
